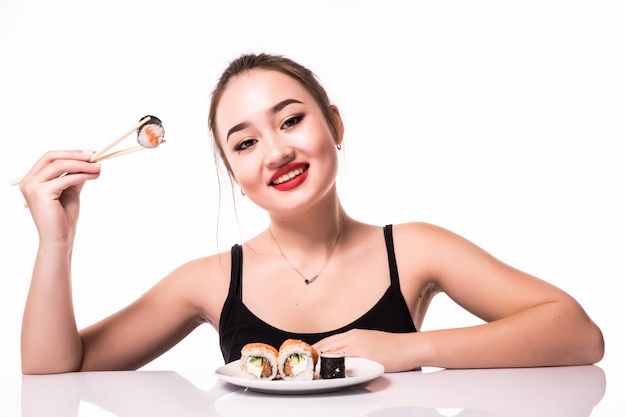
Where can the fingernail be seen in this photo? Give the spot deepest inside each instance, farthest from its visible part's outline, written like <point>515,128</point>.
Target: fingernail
<point>88,151</point>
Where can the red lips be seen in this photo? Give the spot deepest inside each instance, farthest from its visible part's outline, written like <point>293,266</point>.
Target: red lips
<point>299,170</point>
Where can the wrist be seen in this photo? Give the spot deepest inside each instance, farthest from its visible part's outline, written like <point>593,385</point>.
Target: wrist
<point>57,248</point>
<point>417,351</point>
<point>426,351</point>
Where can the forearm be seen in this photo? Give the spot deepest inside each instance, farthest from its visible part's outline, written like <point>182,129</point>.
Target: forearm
<point>50,339</point>
<point>551,334</point>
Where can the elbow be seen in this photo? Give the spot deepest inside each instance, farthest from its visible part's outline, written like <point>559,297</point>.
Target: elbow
<point>594,347</point>
<point>26,370</point>
<point>33,369</point>
<point>587,347</point>
<point>585,344</point>
<point>39,359</point>
<point>37,370</point>
<point>581,341</point>
<point>47,367</point>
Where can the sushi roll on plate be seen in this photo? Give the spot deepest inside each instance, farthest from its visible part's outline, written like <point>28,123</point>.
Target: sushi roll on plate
<point>297,360</point>
<point>259,361</point>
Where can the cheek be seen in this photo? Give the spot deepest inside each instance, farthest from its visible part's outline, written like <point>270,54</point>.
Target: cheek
<point>237,174</point>
<point>329,149</point>
<point>329,159</point>
<point>325,140</point>
<point>243,173</point>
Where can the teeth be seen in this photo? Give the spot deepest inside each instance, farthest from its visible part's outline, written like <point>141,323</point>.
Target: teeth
<point>288,176</point>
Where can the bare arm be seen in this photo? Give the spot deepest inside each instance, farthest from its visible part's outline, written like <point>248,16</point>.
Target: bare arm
<point>51,342</point>
<point>190,295</point>
<point>126,340</point>
<point>528,321</point>
<point>154,323</point>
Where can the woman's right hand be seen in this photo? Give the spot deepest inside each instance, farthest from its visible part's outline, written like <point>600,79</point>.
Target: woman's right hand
<point>52,191</point>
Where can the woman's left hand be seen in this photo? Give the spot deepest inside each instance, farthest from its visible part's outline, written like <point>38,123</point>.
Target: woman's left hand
<point>395,351</point>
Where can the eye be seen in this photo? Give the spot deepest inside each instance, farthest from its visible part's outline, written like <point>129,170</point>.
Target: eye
<point>245,144</point>
<point>292,121</point>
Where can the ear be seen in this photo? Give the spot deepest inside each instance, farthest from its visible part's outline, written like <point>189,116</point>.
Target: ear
<point>337,124</point>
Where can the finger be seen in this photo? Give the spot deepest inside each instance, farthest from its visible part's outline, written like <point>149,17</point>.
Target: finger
<point>75,181</point>
<point>337,341</point>
<point>51,156</point>
<point>55,188</point>
<point>60,168</point>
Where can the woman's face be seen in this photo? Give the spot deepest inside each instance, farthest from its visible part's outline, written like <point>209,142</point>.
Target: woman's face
<point>277,141</point>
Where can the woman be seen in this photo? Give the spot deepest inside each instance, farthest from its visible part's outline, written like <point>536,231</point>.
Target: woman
<point>314,274</point>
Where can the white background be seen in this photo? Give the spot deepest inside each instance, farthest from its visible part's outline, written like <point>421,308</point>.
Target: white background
<point>502,121</point>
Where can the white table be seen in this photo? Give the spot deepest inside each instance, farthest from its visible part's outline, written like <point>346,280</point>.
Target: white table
<point>532,392</point>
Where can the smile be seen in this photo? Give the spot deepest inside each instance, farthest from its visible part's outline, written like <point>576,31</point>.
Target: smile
<point>290,175</point>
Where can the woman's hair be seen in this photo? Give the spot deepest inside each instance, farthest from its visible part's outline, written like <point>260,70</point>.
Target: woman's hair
<point>248,62</point>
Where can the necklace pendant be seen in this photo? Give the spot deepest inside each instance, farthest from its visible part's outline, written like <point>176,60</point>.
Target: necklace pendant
<point>310,281</point>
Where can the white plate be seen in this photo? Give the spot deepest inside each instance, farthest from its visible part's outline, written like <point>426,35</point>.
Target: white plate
<point>358,371</point>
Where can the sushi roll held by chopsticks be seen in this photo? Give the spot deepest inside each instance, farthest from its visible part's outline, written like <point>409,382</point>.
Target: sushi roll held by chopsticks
<point>150,134</point>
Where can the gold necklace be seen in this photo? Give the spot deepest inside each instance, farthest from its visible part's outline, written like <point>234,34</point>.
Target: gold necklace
<point>308,281</point>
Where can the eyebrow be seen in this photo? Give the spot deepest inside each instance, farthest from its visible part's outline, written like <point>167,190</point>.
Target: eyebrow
<point>275,109</point>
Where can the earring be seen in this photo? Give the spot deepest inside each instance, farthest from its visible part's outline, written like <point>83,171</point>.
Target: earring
<point>339,146</point>
<point>242,192</point>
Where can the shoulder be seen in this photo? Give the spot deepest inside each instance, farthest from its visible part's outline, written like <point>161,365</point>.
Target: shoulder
<point>434,250</point>
<point>201,282</point>
<point>410,239</point>
<point>211,267</point>
<point>422,233</point>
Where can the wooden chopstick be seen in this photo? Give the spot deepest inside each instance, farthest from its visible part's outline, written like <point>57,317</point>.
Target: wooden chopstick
<point>100,153</point>
<point>120,153</point>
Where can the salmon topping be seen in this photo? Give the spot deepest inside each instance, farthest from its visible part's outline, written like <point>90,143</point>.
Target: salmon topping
<point>267,369</point>
<point>288,370</point>
<point>153,138</point>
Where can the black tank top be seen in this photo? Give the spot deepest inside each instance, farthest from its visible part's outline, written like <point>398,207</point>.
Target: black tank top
<point>239,326</point>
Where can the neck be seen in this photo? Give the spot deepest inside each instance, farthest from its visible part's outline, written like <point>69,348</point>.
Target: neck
<point>313,232</point>
<point>305,258</point>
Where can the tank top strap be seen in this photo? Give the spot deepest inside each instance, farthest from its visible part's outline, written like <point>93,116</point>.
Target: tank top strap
<point>236,261</point>
<point>391,256</point>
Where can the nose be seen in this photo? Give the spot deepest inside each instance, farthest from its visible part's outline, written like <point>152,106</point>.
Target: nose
<point>278,153</point>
